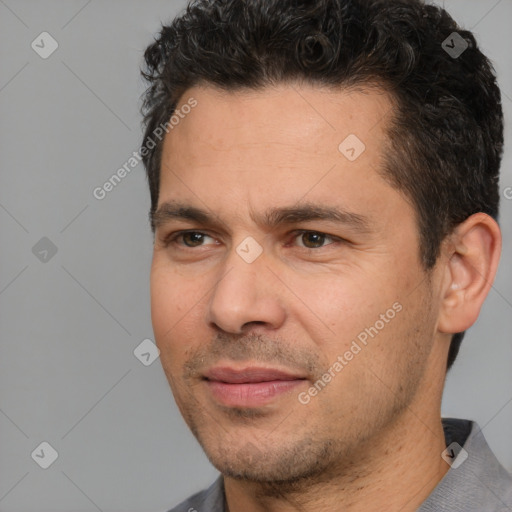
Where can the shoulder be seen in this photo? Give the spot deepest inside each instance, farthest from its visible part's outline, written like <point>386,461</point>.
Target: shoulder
<point>208,500</point>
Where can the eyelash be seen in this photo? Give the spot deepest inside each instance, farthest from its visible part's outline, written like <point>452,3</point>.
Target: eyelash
<point>172,238</point>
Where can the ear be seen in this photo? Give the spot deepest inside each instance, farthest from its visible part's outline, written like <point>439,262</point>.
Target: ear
<point>472,256</point>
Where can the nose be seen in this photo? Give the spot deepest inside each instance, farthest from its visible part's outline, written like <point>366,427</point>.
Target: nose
<point>246,294</point>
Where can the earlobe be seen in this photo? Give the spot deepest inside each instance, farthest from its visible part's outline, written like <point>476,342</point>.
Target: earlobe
<point>471,264</point>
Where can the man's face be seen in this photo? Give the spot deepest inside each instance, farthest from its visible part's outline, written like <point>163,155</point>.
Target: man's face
<point>249,314</point>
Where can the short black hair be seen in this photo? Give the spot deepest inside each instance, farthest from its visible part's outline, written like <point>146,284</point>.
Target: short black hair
<point>445,139</point>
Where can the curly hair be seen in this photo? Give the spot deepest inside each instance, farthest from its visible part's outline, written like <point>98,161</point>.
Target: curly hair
<point>445,140</point>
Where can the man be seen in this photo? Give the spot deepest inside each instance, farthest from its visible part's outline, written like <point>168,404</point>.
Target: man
<point>324,196</point>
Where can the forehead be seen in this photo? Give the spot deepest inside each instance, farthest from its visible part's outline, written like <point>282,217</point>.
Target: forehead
<point>285,114</point>
<point>278,145</point>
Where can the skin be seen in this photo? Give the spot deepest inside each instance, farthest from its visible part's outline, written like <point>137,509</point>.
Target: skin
<point>372,438</point>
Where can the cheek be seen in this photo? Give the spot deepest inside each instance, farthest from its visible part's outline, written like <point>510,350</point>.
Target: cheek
<point>171,304</point>
<point>164,307</point>
<point>342,305</point>
<point>177,315</point>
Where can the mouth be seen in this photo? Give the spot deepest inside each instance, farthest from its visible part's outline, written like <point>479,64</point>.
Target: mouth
<point>249,386</point>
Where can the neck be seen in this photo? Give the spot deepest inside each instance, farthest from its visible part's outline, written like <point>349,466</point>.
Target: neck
<point>396,471</point>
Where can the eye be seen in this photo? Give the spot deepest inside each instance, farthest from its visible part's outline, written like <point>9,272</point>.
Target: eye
<point>309,240</point>
<point>313,239</point>
<point>190,239</point>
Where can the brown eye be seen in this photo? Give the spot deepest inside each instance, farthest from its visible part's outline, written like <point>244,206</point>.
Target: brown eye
<point>313,239</point>
<point>192,238</point>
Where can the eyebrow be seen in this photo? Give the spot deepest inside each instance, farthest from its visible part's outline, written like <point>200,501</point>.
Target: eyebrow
<point>272,218</point>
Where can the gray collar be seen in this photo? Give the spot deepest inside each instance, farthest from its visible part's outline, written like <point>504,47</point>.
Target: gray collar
<point>479,483</point>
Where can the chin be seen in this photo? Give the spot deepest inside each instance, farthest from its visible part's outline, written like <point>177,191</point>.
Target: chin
<point>285,466</point>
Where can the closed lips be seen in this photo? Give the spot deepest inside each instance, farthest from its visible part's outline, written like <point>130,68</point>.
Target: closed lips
<point>248,375</point>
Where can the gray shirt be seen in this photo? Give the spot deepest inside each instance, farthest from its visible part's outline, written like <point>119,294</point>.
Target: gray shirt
<point>477,484</point>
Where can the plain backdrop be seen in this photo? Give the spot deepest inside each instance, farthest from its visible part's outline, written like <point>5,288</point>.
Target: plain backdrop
<point>74,275</point>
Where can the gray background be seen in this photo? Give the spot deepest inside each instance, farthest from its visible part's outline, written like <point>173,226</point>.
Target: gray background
<point>69,325</point>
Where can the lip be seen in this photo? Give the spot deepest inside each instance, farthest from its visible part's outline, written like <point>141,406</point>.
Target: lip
<point>248,375</point>
<point>249,386</point>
